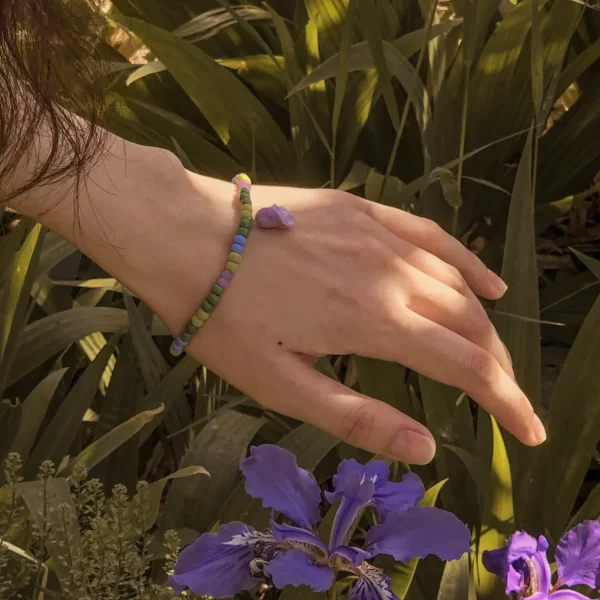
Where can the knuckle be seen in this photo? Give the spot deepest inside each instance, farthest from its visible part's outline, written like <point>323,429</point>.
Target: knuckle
<point>431,228</point>
<point>483,365</point>
<point>356,426</point>
<point>479,321</point>
<point>456,280</point>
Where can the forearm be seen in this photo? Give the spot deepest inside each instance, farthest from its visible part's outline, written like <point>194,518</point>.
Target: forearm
<point>125,214</point>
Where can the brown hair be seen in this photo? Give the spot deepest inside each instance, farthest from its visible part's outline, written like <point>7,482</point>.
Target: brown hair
<point>48,72</point>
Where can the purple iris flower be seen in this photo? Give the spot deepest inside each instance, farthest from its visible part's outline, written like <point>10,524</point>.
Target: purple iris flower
<point>523,563</point>
<point>238,557</point>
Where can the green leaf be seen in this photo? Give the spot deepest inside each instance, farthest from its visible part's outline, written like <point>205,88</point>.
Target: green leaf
<point>14,299</point>
<point>477,470</point>
<point>219,447</point>
<point>369,21</point>
<point>577,67</point>
<point>521,336</point>
<point>591,263</point>
<point>103,447</point>
<point>144,123</point>
<point>537,59</point>
<point>237,129</point>
<point>209,23</point>
<point>384,381</point>
<point>35,407</point>
<point>455,583</point>
<point>590,509</point>
<point>398,65</point>
<point>401,575</point>
<point>46,337</point>
<point>498,515</point>
<point>450,188</point>
<point>448,417</point>
<point>149,501</point>
<point>166,392</point>
<point>573,431</point>
<point>58,436</point>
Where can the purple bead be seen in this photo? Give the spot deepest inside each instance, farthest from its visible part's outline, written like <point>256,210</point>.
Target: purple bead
<point>223,282</point>
<point>227,275</point>
<point>179,344</point>
<point>239,239</point>
<point>245,184</point>
<point>237,248</point>
<point>273,217</point>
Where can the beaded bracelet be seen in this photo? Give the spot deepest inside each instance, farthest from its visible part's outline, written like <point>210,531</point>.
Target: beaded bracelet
<point>233,263</point>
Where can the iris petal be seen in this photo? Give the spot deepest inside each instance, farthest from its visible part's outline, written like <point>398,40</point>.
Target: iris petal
<point>522,564</point>
<point>418,532</point>
<point>297,568</point>
<point>355,556</point>
<point>289,533</point>
<point>578,555</point>
<point>356,495</point>
<point>372,585</point>
<point>391,497</point>
<point>273,476</point>
<point>562,595</point>
<point>218,564</point>
<point>388,496</point>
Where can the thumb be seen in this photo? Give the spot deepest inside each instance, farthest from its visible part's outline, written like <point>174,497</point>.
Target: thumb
<point>297,390</point>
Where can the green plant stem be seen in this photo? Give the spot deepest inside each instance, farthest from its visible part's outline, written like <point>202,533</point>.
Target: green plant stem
<point>332,593</point>
<point>461,148</point>
<point>404,117</point>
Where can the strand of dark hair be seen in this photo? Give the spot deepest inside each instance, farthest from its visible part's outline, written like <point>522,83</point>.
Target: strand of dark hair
<point>49,72</point>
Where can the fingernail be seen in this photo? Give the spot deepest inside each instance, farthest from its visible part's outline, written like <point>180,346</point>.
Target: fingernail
<point>497,282</point>
<point>413,447</point>
<point>539,431</point>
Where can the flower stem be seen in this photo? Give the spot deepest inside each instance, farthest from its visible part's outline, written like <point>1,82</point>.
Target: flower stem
<point>332,593</point>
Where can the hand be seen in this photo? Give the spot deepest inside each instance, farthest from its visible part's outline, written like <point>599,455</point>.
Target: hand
<point>352,277</point>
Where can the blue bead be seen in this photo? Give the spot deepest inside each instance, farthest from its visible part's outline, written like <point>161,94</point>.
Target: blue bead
<point>239,239</point>
<point>237,248</point>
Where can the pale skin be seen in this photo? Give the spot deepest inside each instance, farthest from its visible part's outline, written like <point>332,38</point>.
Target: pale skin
<point>352,277</point>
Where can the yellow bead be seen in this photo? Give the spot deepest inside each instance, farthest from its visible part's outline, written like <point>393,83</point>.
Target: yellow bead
<point>231,266</point>
<point>202,315</point>
<point>242,177</point>
<point>196,322</point>
<point>174,351</point>
<point>246,213</point>
<point>235,257</point>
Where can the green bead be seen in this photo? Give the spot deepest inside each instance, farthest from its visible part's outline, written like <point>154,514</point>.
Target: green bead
<point>246,200</point>
<point>243,231</point>
<point>247,223</point>
<point>207,306</point>
<point>186,337</point>
<point>189,328</point>
<point>244,192</point>
<point>213,299</point>
<point>217,289</point>
<point>235,257</point>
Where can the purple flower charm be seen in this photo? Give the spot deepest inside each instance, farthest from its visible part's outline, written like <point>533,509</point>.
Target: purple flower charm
<point>523,563</point>
<point>274,217</point>
<point>238,557</point>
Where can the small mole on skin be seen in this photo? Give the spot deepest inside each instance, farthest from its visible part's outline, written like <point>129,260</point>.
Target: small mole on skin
<point>279,343</point>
